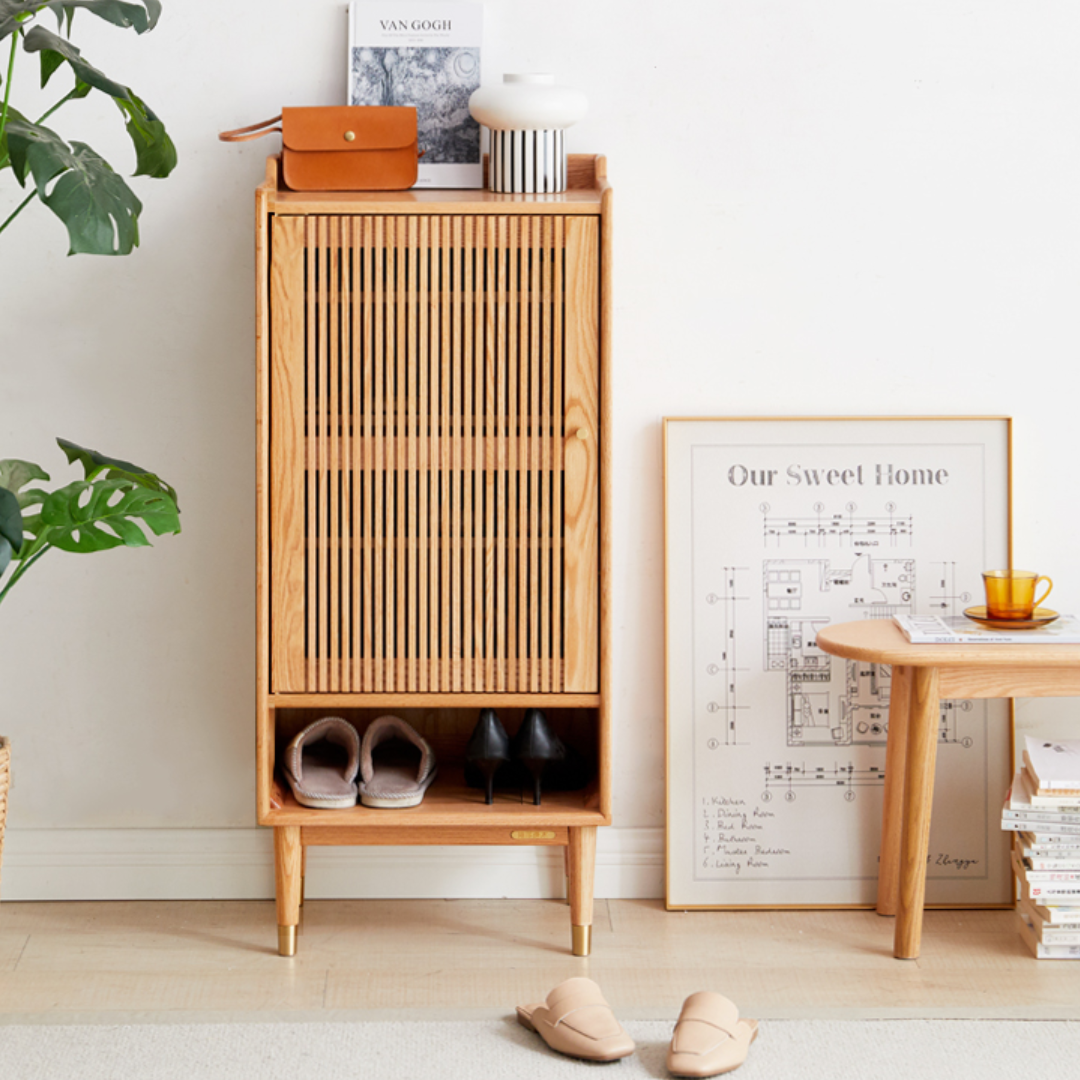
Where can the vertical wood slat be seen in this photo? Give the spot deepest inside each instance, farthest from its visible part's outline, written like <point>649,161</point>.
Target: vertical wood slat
<point>581,555</point>
<point>424,425</point>
<point>453,456</point>
<point>535,540</point>
<point>356,456</point>
<point>332,435</point>
<point>400,436</point>
<point>544,361</point>
<point>314,447</point>
<point>510,471</point>
<point>288,519</point>
<point>472,433</point>
<point>366,532</point>
<point>463,435</point>
<point>380,468</point>
<point>451,510</point>
<point>557,359</point>
<point>490,313</point>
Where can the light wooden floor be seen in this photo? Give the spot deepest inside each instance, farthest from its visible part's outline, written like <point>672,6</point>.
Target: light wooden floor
<point>105,960</point>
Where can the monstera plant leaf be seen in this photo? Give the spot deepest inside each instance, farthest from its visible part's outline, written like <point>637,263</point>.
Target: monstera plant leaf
<point>142,16</point>
<point>95,464</point>
<point>100,211</point>
<point>16,474</point>
<point>89,516</point>
<point>11,534</point>
<point>115,505</point>
<point>154,150</point>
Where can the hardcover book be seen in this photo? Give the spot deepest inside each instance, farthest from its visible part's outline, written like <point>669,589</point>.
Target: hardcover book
<point>427,55</point>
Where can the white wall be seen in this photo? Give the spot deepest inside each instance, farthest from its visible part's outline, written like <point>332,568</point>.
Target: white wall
<point>836,208</point>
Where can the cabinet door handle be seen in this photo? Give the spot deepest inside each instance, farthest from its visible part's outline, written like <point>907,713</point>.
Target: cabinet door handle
<point>581,434</point>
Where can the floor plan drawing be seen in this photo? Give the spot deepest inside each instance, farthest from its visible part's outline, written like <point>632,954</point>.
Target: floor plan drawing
<point>777,749</point>
<point>800,597</point>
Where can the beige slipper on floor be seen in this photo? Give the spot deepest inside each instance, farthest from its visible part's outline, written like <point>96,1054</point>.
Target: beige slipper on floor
<point>577,1021</point>
<point>709,1038</point>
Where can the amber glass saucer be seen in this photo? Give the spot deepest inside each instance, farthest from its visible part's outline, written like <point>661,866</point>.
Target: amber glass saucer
<point>1039,617</point>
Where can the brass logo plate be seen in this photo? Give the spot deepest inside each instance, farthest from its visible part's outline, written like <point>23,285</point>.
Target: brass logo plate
<point>532,834</point>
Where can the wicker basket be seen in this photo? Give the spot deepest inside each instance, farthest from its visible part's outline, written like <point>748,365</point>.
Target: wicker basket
<point>5,781</point>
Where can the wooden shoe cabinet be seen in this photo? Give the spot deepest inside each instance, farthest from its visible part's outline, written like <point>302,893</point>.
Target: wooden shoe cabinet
<point>433,504</point>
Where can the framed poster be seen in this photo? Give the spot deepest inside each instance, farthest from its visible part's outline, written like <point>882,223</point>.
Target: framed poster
<point>775,750</point>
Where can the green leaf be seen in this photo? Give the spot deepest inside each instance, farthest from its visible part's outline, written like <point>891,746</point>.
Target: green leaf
<point>141,16</point>
<point>5,554</point>
<point>11,531</point>
<point>5,159</point>
<point>100,211</point>
<point>90,516</point>
<point>50,62</point>
<point>38,39</point>
<point>95,463</point>
<point>155,154</point>
<point>11,14</point>
<point>16,474</point>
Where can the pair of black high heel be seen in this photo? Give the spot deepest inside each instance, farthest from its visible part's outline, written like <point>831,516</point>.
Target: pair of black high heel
<point>534,747</point>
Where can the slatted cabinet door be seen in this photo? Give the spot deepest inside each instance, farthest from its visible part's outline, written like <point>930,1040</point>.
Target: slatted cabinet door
<point>434,484</point>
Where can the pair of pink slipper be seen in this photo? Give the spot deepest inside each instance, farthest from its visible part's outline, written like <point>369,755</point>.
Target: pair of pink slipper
<point>709,1037</point>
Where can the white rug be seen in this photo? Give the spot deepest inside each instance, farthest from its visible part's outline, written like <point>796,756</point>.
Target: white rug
<point>501,1050</point>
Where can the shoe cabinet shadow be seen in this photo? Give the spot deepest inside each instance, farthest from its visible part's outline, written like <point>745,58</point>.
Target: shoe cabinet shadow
<point>433,499</point>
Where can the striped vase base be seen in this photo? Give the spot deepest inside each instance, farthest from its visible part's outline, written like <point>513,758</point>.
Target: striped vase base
<point>529,162</point>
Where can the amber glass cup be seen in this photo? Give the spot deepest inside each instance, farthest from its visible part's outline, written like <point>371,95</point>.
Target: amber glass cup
<point>1010,594</point>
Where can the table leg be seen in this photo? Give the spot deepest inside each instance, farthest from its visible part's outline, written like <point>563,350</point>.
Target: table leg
<point>288,857</point>
<point>582,851</point>
<point>893,802</point>
<point>924,718</point>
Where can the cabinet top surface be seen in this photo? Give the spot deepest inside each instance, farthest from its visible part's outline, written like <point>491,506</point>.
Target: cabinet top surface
<point>586,194</point>
<point>880,641</point>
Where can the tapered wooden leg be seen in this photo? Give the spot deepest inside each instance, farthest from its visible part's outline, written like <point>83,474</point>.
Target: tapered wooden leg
<point>892,811</point>
<point>566,870</point>
<point>288,864</point>
<point>303,874</point>
<point>924,717</point>
<point>582,858</point>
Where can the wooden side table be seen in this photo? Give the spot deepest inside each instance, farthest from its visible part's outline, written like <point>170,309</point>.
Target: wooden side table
<point>921,676</point>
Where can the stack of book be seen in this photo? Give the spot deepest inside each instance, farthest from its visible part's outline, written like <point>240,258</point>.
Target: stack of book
<point>1042,809</point>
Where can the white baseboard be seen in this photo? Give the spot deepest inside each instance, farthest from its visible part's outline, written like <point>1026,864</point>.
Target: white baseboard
<point>235,864</point>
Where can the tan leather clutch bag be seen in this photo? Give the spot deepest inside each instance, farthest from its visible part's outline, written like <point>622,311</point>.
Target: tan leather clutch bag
<point>343,147</point>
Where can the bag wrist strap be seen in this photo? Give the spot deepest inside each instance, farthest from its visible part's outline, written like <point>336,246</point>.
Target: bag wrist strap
<point>253,131</point>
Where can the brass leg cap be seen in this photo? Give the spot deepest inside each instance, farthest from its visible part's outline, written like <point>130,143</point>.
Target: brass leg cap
<point>581,937</point>
<point>286,940</point>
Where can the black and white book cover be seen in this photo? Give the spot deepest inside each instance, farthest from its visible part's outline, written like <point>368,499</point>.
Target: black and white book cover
<point>425,54</point>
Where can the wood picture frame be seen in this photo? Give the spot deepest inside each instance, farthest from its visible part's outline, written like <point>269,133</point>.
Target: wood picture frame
<point>775,527</point>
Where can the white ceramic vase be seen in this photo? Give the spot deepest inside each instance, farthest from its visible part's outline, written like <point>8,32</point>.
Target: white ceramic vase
<point>526,116</point>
